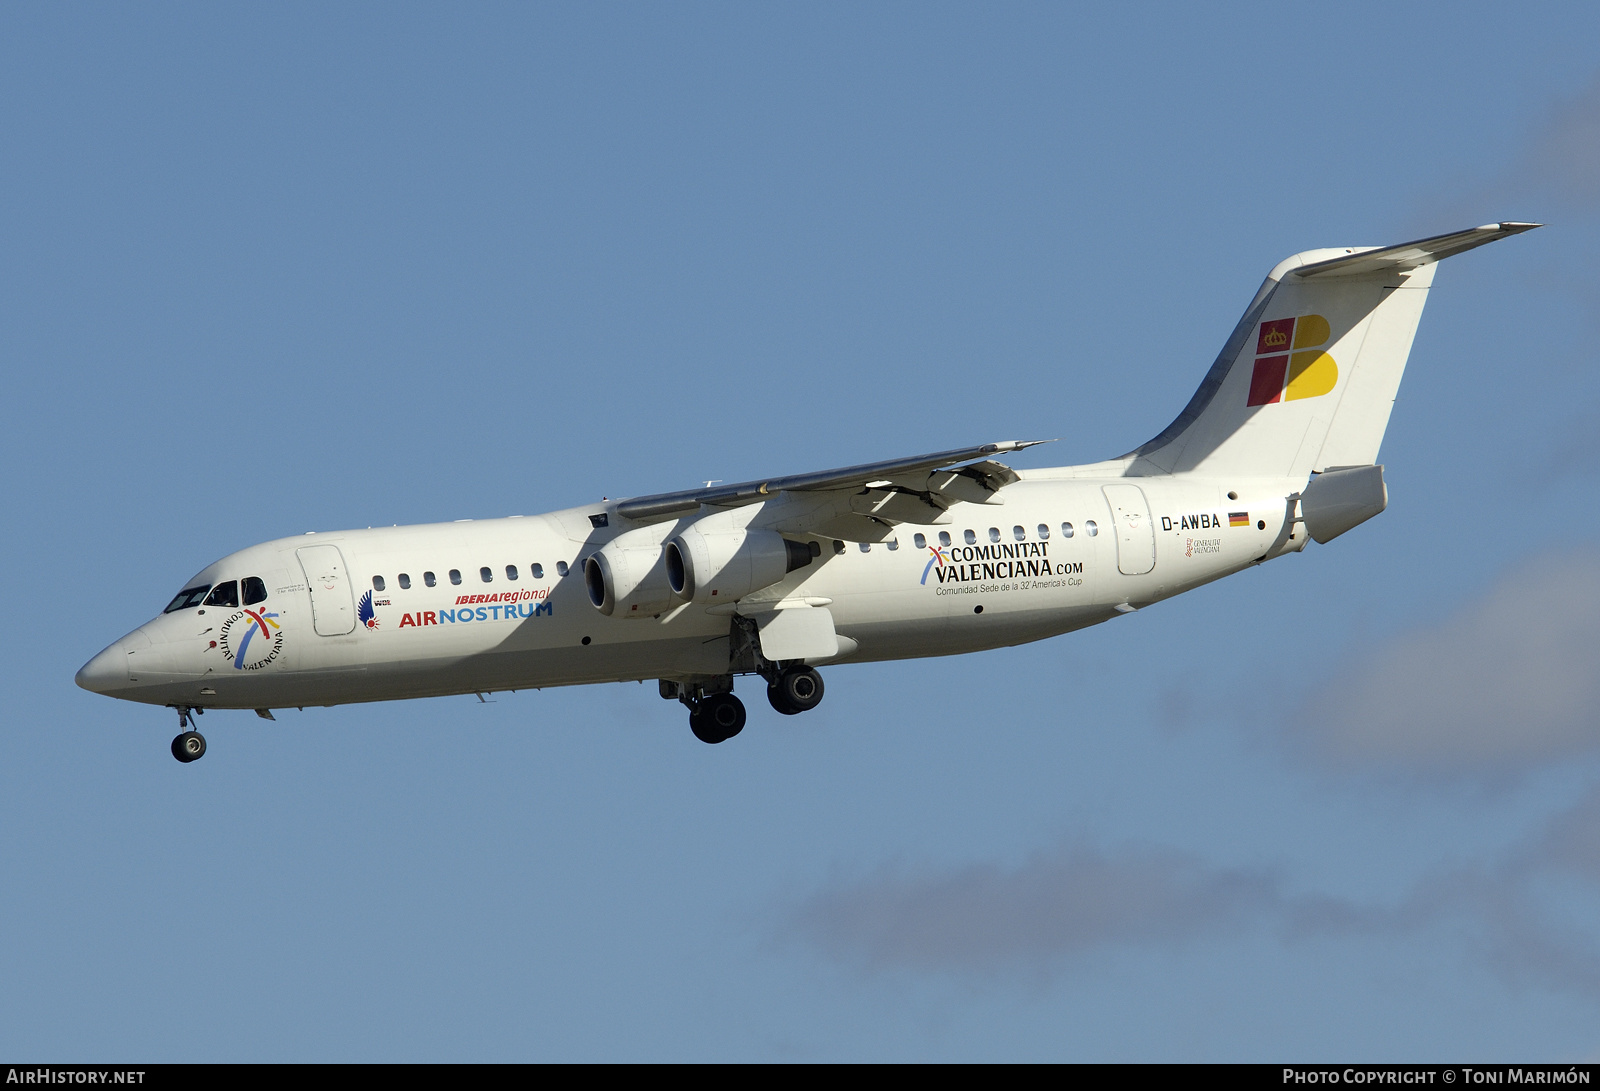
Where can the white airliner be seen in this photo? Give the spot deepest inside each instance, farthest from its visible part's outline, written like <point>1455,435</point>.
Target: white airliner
<point>931,555</point>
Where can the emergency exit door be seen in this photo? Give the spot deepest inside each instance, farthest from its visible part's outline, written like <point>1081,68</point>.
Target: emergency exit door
<point>1136,532</point>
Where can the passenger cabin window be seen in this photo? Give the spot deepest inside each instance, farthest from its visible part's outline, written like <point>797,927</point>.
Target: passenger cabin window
<point>377,583</point>
<point>866,547</point>
<point>1066,530</point>
<point>405,582</point>
<point>1019,534</point>
<point>994,534</point>
<point>1089,528</point>
<point>455,576</point>
<point>920,541</point>
<point>537,570</point>
<point>428,579</point>
<point>224,594</point>
<point>893,543</point>
<point>944,537</point>
<point>561,568</point>
<point>970,536</point>
<point>511,572</point>
<point>188,598</point>
<point>1044,532</point>
<point>254,590</point>
<point>486,574</point>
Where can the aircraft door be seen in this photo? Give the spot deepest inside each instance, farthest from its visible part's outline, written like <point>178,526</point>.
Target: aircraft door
<point>1136,532</point>
<point>332,606</point>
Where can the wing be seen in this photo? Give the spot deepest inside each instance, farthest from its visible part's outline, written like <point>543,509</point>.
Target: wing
<point>917,489</point>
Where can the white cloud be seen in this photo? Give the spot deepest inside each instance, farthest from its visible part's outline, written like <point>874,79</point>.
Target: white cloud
<point>1563,157</point>
<point>983,920</point>
<point>1555,170</point>
<point>1508,683</point>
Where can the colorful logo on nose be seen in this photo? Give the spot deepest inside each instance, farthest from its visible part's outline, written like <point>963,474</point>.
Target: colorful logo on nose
<point>1290,363</point>
<point>253,624</point>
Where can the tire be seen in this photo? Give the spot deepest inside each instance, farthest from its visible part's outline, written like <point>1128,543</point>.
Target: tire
<point>719,718</point>
<point>799,688</point>
<point>727,713</point>
<point>189,746</point>
<point>702,728</point>
<point>776,699</point>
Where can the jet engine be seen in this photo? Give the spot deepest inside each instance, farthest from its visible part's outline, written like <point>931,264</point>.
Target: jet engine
<point>627,578</point>
<point>724,565</point>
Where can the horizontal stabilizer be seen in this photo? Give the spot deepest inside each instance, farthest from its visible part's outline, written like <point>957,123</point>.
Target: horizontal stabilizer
<point>1409,255</point>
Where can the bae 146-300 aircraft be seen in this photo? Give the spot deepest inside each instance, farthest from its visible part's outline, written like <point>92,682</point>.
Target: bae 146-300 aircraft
<point>931,555</point>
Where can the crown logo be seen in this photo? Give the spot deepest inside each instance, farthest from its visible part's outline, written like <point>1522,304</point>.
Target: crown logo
<point>1275,339</point>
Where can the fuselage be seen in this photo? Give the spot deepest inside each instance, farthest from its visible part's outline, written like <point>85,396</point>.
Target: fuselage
<point>932,554</point>
<point>501,604</point>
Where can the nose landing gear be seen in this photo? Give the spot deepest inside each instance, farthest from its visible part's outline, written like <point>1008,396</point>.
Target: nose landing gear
<point>190,745</point>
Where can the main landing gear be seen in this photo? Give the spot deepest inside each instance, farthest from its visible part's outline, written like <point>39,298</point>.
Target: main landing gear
<point>718,717</point>
<point>796,690</point>
<point>190,745</point>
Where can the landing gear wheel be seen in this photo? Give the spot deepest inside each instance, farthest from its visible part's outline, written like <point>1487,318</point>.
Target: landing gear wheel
<point>717,718</point>
<point>775,699</point>
<point>190,746</point>
<point>796,690</point>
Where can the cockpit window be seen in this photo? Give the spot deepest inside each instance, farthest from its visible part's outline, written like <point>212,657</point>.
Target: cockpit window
<point>254,590</point>
<point>188,598</point>
<point>224,594</point>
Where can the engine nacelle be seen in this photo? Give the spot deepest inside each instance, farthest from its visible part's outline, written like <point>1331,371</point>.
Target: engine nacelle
<point>628,578</point>
<point>724,565</point>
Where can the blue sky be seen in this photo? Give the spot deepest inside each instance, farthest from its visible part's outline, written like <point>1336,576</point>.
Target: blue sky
<point>301,269</point>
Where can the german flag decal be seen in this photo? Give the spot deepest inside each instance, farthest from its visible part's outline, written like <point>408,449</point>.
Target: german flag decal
<point>1238,518</point>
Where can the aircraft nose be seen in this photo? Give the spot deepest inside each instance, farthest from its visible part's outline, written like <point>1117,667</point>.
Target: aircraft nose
<point>107,672</point>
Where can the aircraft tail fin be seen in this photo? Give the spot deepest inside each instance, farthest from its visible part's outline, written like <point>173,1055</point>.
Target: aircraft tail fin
<point>1309,376</point>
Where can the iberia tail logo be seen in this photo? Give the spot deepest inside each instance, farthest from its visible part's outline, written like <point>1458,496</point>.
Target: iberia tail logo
<point>1290,363</point>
